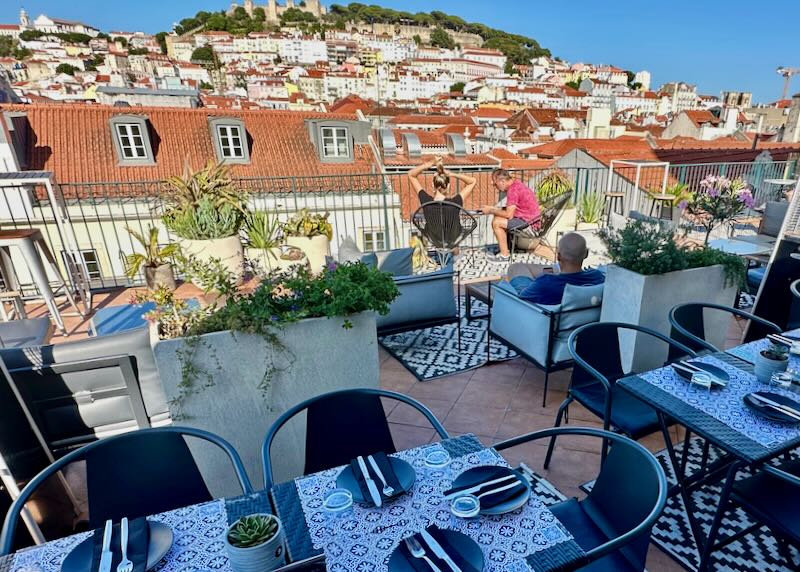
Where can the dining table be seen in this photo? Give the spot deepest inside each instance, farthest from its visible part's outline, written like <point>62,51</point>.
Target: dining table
<point>744,438</point>
<point>527,539</point>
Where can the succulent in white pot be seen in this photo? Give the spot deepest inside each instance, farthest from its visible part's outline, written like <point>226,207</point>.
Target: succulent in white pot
<point>774,359</point>
<point>312,234</point>
<point>255,543</point>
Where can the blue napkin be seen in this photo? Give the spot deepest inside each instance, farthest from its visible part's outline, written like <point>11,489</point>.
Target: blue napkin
<point>138,540</point>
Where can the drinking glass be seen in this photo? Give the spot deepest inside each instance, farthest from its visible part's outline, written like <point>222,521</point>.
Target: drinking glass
<point>782,379</point>
<point>702,379</point>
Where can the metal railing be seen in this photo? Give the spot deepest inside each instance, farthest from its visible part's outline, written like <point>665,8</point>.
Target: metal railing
<point>373,209</point>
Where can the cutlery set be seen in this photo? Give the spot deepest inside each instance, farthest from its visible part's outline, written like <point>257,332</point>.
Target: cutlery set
<point>106,556</point>
<point>417,551</point>
<point>691,369</point>
<point>477,488</point>
<point>782,340</point>
<point>371,486</point>
<point>785,409</point>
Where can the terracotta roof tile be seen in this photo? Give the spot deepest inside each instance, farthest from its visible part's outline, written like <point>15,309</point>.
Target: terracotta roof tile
<point>414,119</point>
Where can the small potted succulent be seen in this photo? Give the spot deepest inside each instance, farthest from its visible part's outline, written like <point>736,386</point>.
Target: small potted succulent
<point>154,262</point>
<point>771,360</point>
<point>312,234</point>
<point>255,543</point>
<point>265,245</point>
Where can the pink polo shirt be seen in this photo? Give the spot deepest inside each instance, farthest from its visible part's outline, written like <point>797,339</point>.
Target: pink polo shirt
<point>524,199</point>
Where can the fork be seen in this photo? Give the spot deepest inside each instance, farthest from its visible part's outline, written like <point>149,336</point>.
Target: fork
<point>416,550</point>
<point>126,565</point>
<point>387,490</point>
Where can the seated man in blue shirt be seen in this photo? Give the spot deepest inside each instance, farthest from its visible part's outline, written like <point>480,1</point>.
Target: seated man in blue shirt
<point>540,284</point>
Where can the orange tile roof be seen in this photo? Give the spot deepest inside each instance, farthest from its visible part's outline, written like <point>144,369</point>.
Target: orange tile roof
<point>414,119</point>
<point>75,143</point>
<point>351,104</point>
<point>698,117</point>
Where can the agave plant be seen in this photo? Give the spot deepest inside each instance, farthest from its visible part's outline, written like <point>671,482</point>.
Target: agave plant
<point>306,224</point>
<point>263,230</point>
<point>590,207</point>
<point>153,256</point>
<point>552,185</point>
<point>205,221</point>
<point>253,530</point>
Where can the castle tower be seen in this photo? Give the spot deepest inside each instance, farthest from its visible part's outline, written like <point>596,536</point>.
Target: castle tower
<point>248,7</point>
<point>272,11</point>
<point>23,19</point>
<point>314,7</point>
<point>289,4</point>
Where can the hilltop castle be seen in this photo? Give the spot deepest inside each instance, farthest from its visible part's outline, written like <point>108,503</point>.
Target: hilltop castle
<point>273,10</point>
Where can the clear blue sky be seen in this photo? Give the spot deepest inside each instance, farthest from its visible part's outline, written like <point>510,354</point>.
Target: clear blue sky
<point>718,45</point>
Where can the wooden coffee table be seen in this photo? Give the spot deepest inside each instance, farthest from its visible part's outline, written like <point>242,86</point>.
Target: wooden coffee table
<point>477,291</point>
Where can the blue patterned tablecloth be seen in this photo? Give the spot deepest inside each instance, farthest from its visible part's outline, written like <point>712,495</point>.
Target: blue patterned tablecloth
<point>197,543</point>
<point>363,538</point>
<point>748,351</point>
<point>726,404</point>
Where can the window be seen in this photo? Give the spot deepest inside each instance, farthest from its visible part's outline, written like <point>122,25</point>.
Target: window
<point>90,259</point>
<point>374,240</point>
<point>230,140</point>
<point>131,140</point>
<point>335,143</point>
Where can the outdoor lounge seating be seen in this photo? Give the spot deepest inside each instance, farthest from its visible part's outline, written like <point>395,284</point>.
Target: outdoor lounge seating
<point>24,333</point>
<point>444,226</point>
<point>136,474</point>
<point>540,332</point>
<point>614,539</point>
<point>526,237</point>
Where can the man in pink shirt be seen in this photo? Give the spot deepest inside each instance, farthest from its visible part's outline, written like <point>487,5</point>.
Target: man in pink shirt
<point>521,210</point>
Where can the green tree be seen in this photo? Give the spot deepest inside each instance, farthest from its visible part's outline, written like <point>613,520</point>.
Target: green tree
<point>138,51</point>
<point>510,69</point>
<point>161,38</point>
<point>458,87</point>
<point>203,54</point>
<point>103,36</point>
<point>10,48</point>
<point>206,85</point>
<point>121,41</point>
<point>29,35</point>
<point>66,68</point>
<point>442,39</point>
<point>259,15</point>
<point>417,39</point>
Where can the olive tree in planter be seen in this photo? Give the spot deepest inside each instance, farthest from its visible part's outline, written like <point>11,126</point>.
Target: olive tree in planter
<point>312,234</point>
<point>234,368</point>
<point>154,262</point>
<point>650,273</point>
<point>206,210</point>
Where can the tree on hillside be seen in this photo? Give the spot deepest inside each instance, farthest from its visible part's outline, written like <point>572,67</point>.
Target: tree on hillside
<point>417,39</point>
<point>161,38</point>
<point>138,51</point>
<point>442,39</point>
<point>10,48</point>
<point>121,41</point>
<point>29,35</point>
<point>66,68</point>
<point>575,84</point>
<point>510,68</point>
<point>458,87</point>
<point>203,54</point>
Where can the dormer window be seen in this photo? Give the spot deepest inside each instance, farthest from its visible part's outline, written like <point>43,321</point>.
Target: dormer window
<point>230,140</point>
<point>131,140</point>
<point>335,143</point>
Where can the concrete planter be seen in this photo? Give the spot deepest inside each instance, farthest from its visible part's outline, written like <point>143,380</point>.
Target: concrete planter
<point>271,260</point>
<point>764,367</point>
<point>319,356</point>
<point>646,301</point>
<point>229,251</point>
<point>262,558</point>
<point>156,276</point>
<point>316,249</point>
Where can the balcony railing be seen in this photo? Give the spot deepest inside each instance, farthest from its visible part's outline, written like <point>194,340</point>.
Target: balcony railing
<point>374,209</point>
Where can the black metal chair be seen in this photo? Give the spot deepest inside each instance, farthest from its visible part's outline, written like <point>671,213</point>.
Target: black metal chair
<point>342,425</point>
<point>688,325</point>
<point>771,497</point>
<point>135,474</point>
<point>539,228</point>
<point>444,226</point>
<point>795,288</point>
<point>613,523</point>
<point>595,348</point>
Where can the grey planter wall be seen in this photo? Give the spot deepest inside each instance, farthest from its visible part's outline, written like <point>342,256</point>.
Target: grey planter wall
<point>326,357</point>
<point>646,300</point>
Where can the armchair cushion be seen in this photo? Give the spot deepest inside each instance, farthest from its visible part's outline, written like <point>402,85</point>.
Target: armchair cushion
<point>397,262</point>
<point>629,414</point>
<point>349,252</point>
<point>774,213</point>
<point>423,298</point>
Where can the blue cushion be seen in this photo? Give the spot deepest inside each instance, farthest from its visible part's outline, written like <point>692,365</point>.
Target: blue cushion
<point>370,259</point>
<point>632,416</point>
<point>755,276</point>
<point>398,262</point>
<point>115,319</point>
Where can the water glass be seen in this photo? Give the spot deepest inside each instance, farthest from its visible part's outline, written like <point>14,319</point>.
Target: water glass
<point>702,379</point>
<point>782,379</point>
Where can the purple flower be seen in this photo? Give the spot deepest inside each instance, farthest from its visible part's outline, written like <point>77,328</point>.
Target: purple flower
<point>332,266</point>
<point>713,192</point>
<point>683,205</point>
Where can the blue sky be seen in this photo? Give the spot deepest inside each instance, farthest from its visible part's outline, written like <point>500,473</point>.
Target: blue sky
<point>719,45</point>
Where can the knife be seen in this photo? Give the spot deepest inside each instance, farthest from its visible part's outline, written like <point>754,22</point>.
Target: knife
<point>371,486</point>
<point>779,339</point>
<point>438,550</point>
<point>785,409</point>
<point>106,556</point>
<point>478,487</point>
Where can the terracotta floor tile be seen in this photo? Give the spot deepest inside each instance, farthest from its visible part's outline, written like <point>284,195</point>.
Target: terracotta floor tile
<point>408,436</point>
<point>446,389</point>
<point>489,393</point>
<point>468,418</point>
<point>407,415</point>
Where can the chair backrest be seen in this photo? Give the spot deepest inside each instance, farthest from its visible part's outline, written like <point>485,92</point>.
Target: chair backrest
<point>596,349</point>
<point>795,288</point>
<point>551,211</point>
<point>630,477</point>
<point>135,474</point>
<point>689,327</point>
<point>342,425</point>
<point>444,224</point>
<point>774,213</point>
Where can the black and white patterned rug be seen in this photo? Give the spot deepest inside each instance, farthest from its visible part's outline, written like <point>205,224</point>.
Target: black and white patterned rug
<point>432,353</point>
<point>756,552</point>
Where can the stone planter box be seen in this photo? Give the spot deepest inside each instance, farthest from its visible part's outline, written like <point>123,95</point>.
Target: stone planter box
<point>646,301</point>
<point>320,356</point>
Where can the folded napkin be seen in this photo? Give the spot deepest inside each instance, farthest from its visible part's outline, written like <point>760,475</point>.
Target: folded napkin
<point>489,474</point>
<point>138,539</point>
<point>420,565</point>
<point>386,469</point>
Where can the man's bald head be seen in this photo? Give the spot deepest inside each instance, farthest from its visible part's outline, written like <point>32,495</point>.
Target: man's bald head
<point>572,251</point>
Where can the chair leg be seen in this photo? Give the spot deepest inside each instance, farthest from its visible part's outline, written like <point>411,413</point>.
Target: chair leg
<point>708,549</point>
<point>546,381</point>
<point>652,207</point>
<point>458,330</point>
<point>561,409</point>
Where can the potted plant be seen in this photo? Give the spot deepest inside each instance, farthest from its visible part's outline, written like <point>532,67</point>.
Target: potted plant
<point>206,210</point>
<point>650,273</point>
<point>590,210</point>
<point>312,234</point>
<point>154,261</point>
<point>255,543</point>
<point>770,360</point>
<point>264,244</point>
<point>253,353</point>
<point>553,184</point>
<point>716,201</point>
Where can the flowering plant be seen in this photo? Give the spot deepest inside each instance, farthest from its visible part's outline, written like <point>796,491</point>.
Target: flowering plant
<point>716,201</point>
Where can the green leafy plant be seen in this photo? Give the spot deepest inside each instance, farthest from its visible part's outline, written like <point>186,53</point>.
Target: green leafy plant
<point>716,201</point>
<point>263,230</point>
<point>303,223</point>
<point>590,207</point>
<point>253,530</point>
<point>648,249</point>
<point>553,184</point>
<point>680,192</point>
<point>204,204</point>
<point>153,255</point>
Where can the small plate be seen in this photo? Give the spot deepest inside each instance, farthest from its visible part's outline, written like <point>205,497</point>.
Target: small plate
<point>80,559</point>
<point>467,548</point>
<point>477,475</point>
<point>717,373</point>
<point>769,412</point>
<point>403,471</point>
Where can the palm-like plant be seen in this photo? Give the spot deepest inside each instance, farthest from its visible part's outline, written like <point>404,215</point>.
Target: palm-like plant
<point>552,185</point>
<point>153,256</point>
<point>212,181</point>
<point>263,229</point>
